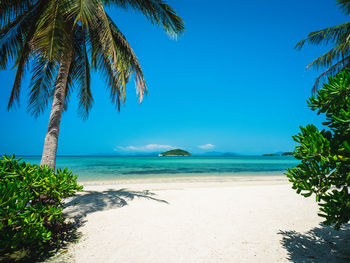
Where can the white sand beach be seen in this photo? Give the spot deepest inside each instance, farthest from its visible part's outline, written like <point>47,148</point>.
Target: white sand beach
<point>250,219</point>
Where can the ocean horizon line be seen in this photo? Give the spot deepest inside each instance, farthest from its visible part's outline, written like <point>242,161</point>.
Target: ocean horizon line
<point>131,167</point>
<point>149,155</point>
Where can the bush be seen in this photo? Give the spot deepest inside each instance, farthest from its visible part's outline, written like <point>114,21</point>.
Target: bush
<point>31,203</point>
<point>324,169</point>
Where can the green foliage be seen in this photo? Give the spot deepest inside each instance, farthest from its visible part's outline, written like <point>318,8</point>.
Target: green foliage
<point>176,152</point>
<point>31,202</point>
<point>337,58</point>
<point>40,34</point>
<point>324,169</point>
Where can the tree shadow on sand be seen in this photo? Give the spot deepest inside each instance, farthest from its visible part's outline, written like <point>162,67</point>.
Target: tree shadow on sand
<point>88,202</point>
<point>320,244</point>
<point>76,209</point>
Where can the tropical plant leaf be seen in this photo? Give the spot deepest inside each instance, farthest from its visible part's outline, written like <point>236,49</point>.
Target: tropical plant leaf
<point>41,33</point>
<point>52,32</point>
<point>344,5</point>
<point>11,9</point>
<point>331,71</point>
<point>80,72</point>
<point>337,58</point>
<point>23,57</point>
<point>41,86</point>
<point>12,34</point>
<point>331,34</point>
<point>157,11</point>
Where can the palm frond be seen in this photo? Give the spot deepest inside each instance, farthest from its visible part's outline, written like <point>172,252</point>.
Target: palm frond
<point>344,6</point>
<point>109,43</point>
<point>114,79</point>
<point>85,95</point>
<point>103,32</point>
<point>101,60</point>
<point>82,11</point>
<point>41,85</point>
<point>22,60</point>
<point>21,67</point>
<point>21,63</point>
<point>331,34</point>
<point>12,35</point>
<point>44,33</point>
<point>80,72</point>
<point>157,11</point>
<point>338,57</point>
<point>126,53</point>
<point>331,71</point>
<point>69,89</point>
<point>328,58</point>
<point>104,57</point>
<point>52,32</point>
<point>11,9</point>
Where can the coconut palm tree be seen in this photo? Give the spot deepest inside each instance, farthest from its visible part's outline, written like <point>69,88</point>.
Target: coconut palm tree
<point>61,40</point>
<point>337,58</point>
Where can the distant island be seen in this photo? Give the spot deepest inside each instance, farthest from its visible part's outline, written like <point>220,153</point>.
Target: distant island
<point>175,152</point>
<point>279,154</point>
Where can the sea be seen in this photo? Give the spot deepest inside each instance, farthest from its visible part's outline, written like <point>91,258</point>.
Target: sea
<point>95,168</point>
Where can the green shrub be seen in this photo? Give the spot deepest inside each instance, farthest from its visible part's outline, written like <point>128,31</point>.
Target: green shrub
<point>324,169</point>
<point>31,202</point>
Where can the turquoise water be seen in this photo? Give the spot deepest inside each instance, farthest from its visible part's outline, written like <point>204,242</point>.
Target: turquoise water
<point>111,167</point>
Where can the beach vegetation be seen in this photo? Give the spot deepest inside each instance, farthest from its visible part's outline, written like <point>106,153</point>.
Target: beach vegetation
<point>61,41</point>
<point>338,57</point>
<point>31,203</point>
<point>324,168</point>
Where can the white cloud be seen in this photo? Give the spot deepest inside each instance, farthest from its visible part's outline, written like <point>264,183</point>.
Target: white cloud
<point>206,146</point>
<point>145,148</point>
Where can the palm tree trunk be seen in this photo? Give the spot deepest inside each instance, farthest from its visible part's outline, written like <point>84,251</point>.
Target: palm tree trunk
<point>51,139</point>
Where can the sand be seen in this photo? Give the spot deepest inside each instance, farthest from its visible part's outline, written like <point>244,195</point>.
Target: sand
<point>250,219</point>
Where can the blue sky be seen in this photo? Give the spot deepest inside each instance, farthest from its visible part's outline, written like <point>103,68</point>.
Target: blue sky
<point>232,82</point>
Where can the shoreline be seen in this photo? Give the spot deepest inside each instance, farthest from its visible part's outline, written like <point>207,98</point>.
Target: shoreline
<point>187,182</point>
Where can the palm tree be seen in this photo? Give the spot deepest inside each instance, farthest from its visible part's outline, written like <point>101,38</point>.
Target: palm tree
<point>62,40</point>
<point>336,59</point>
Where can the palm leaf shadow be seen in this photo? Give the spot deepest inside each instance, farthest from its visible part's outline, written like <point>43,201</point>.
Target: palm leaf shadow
<point>88,202</point>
